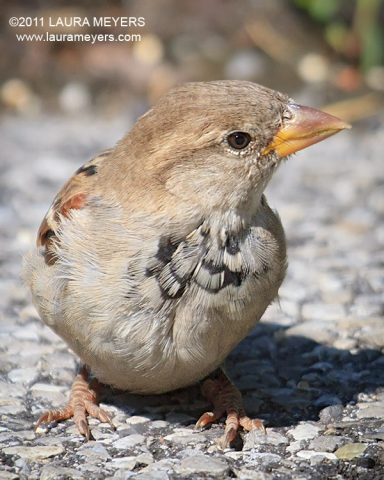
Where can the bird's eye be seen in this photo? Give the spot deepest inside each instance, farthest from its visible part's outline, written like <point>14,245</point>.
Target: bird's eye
<point>239,140</point>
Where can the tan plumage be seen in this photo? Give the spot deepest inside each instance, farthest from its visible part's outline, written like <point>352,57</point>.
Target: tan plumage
<point>159,256</point>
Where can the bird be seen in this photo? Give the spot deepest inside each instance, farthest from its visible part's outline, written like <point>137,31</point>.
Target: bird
<point>160,255</point>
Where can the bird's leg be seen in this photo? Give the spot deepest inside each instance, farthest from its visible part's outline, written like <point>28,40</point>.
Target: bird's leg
<point>226,400</point>
<point>82,402</point>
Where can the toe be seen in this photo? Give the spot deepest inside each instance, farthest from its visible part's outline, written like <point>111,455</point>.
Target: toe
<point>249,424</point>
<point>228,437</point>
<point>95,411</point>
<point>205,419</point>
<point>55,416</point>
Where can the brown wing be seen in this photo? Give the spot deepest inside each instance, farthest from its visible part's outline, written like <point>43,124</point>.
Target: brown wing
<point>73,196</point>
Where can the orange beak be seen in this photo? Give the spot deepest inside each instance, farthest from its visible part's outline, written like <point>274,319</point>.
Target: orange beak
<point>306,127</point>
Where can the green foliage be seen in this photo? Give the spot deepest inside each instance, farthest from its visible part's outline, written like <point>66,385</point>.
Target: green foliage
<point>352,28</point>
<point>321,10</point>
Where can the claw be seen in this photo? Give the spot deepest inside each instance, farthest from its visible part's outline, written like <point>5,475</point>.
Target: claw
<point>226,399</point>
<point>205,419</point>
<point>82,402</point>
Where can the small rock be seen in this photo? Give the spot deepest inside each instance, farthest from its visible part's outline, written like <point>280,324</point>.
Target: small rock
<point>202,464</point>
<point>8,390</point>
<point>185,436</point>
<point>267,460</point>
<point>55,394</point>
<point>257,437</point>
<point>374,410</point>
<point>309,454</point>
<point>122,475</point>
<point>129,442</point>
<point>23,375</point>
<point>136,419</point>
<point>146,458</point>
<point>374,435</point>
<point>304,431</point>
<point>8,476</point>
<point>331,414</point>
<point>248,474</point>
<point>326,443</point>
<point>126,463</point>
<point>11,407</point>
<point>351,450</point>
<point>152,476</point>
<point>315,330</point>
<point>35,453</point>
<point>93,451</point>
<point>52,472</point>
<point>154,470</point>
<point>159,424</point>
<point>294,447</point>
<point>322,311</point>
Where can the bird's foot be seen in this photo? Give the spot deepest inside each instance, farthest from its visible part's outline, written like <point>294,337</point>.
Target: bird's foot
<point>226,400</point>
<point>82,402</point>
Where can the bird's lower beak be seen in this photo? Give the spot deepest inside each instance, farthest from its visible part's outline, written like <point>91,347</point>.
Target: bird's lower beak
<point>305,127</point>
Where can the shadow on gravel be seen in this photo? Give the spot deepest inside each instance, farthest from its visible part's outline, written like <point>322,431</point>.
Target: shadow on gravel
<point>283,379</point>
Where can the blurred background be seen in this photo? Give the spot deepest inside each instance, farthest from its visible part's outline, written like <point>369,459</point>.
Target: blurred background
<point>325,52</point>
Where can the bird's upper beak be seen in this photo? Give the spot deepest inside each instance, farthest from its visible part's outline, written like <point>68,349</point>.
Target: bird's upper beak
<point>305,127</point>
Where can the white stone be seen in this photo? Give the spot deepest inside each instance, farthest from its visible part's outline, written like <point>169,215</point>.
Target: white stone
<point>35,453</point>
<point>308,454</point>
<point>129,442</point>
<point>304,431</point>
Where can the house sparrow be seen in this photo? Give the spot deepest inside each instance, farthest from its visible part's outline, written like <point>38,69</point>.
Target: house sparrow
<point>160,255</point>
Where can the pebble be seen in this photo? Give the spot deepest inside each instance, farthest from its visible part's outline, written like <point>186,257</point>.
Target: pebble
<point>309,454</point>
<point>304,431</point>
<point>23,375</point>
<point>374,410</point>
<point>136,420</point>
<point>126,463</point>
<point>315,330</point>
<point>248,474</point>
<point>202,464</point>
<point>322,311</point>
<point>8,476</point>
<point>350,451</point>
<point>152,476</point>
<point>162,466</point>
<point>94,451</point>
<point>331,414</point>
<point>49,472</point>
<point>267,460</point>
<point>326,443</point>
<point>55,394</point>
<point>129,441</point>
<point>257,437</point>
<point>159,424</point>
<point>185,437</point>
<point>35,453</point>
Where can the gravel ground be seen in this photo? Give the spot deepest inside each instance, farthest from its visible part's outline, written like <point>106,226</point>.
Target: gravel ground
<point>312,369</point>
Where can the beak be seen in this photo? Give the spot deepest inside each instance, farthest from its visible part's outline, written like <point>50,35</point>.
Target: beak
<point>305,127</point>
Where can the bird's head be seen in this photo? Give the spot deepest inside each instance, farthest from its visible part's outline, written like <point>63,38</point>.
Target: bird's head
<point>217,144</point>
